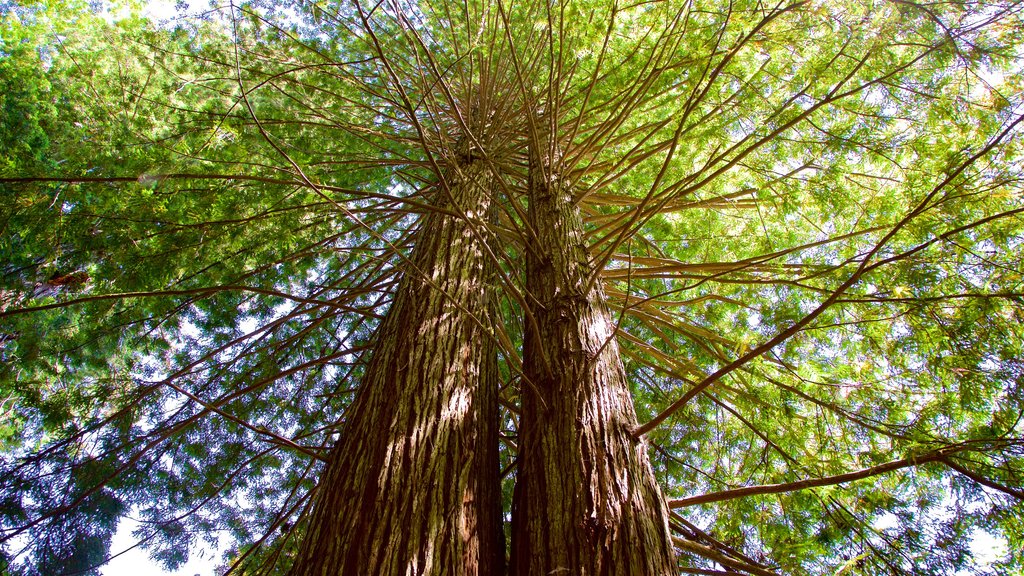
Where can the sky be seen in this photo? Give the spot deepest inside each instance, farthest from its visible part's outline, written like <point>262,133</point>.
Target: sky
<point>136,562</point>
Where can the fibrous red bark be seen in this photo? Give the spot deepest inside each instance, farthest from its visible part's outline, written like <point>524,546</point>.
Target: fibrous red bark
<point>412,485</point>
<point>586,499</point>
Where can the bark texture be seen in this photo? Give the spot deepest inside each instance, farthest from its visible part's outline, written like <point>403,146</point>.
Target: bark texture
<point>586,499</point>
<point>412,485</point>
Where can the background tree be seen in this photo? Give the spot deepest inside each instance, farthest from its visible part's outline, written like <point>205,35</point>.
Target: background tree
<point>804,217</point>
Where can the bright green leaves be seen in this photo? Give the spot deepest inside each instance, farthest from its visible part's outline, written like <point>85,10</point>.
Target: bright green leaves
<point>736,163</point>
<point>839,121</point>
<point>179,299</point>
<point>27,113</point>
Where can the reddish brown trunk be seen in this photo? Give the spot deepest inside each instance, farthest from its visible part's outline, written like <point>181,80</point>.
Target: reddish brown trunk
<point>586,500</point>
<point>412,486</point>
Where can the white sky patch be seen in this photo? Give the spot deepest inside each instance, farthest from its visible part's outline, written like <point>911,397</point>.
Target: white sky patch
<point>159,11</point>
<point>248,324</point>
<point>136,561</point>
<point>987,548</point>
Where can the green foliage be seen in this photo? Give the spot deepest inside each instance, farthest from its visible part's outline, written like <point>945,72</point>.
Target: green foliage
<point>186,307</point>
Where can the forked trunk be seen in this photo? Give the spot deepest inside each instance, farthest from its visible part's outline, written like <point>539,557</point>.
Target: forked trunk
<point>412,485</point>
<point>586,500</point>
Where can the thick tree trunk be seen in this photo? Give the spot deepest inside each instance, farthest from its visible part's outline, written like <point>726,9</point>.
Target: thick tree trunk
<point>412,486</point>
<point>586,500</point>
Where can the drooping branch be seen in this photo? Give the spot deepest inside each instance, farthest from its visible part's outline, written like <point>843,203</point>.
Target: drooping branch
<point>712,554</point>
<point>155,178</point>
<point>934,456</point>
<point>199,293</point>
<point>1015,492</point>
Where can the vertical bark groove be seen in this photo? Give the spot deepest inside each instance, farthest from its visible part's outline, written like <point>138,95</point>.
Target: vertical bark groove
<point>412,485</point>
<point>586,500</point>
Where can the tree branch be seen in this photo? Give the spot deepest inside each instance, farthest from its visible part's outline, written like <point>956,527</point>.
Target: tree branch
<point>939,455</point>
<point>1018,494</point>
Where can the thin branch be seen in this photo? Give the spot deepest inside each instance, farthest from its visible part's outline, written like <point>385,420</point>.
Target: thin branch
<point>934,456</point>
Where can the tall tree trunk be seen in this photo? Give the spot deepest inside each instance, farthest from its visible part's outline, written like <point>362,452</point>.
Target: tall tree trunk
<point>586,499</point>
<point>412,485</point>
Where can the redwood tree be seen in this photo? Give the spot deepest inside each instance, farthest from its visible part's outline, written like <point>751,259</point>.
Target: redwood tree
<point>412,484</point>
<point>586,499</point>
<point>303,275</point>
